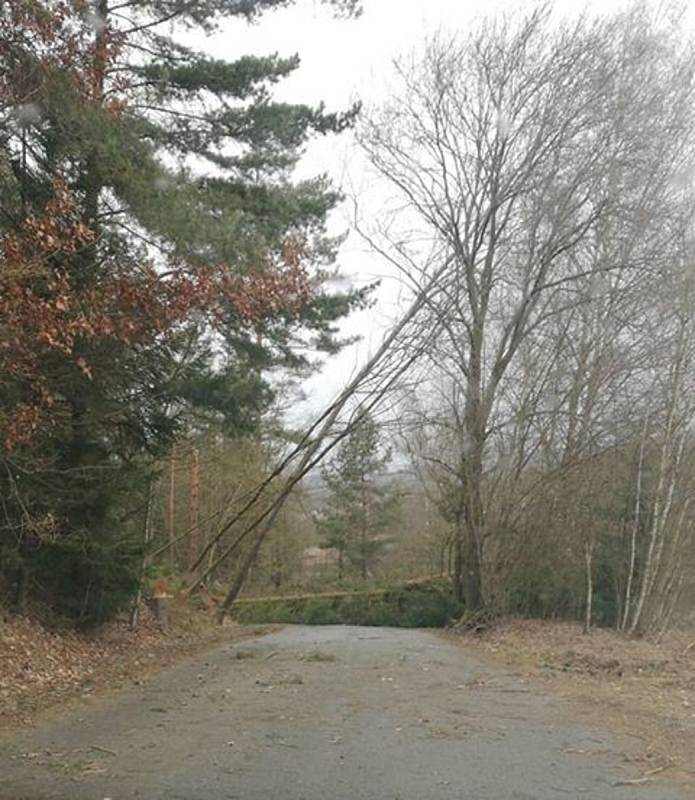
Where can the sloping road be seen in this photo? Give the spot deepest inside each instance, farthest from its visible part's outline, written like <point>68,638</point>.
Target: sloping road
<point>335,713</point>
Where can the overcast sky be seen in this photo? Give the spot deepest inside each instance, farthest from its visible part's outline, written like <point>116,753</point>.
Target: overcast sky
<point>343,61</point>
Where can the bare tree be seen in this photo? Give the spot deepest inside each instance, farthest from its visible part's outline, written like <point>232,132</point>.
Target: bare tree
<point>518,148</point>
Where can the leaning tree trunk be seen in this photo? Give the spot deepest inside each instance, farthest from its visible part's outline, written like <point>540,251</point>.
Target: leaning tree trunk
<point>242,574</point>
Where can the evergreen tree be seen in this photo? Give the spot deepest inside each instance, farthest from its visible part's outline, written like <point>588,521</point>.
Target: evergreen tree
<point>360,507</point>
<point>195,264</point>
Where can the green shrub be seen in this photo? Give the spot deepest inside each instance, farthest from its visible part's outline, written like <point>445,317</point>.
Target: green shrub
<point>265,612</point>
<point>318,612</point>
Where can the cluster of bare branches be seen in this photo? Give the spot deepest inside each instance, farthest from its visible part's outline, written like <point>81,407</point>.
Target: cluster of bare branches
<point>552,163</point>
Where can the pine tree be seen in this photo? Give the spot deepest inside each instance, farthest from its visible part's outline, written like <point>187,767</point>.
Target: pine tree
<point>194,265</point>
<point>360,507</point>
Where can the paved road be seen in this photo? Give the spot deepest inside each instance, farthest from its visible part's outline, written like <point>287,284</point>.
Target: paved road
<point>335,713</point>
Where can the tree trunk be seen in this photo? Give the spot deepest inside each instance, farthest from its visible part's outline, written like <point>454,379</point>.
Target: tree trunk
<point>147,538</point>
<point>588,560</point>
<point>471,584</point>
<point>456,569</point>
<point>467,573</point>
<point>472,529</point>
<point>633,536</point>
<point>211,559</point>
<point>671,453</point>
<point>241,575</point>
<point>365,528</point>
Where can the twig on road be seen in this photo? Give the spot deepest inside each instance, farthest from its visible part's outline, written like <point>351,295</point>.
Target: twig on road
<point>103,749</point>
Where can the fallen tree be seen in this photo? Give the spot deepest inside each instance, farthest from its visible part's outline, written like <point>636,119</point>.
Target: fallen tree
<point>399,350</point>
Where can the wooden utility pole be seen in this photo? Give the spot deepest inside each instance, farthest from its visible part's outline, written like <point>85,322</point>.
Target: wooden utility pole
<point>171,509</point>
<point>195,479</point>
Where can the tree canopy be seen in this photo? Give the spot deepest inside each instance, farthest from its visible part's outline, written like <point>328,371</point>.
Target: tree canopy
<point>158,259</point>
<point>360,506</point>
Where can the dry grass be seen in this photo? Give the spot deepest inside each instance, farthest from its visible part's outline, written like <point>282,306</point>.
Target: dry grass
<point>634,686</point>
<point>319,656</point>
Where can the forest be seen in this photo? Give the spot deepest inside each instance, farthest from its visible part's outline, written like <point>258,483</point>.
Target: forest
<point>520,441</point>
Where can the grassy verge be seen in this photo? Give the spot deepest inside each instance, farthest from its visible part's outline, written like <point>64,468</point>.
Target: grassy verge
<point>422,605</point>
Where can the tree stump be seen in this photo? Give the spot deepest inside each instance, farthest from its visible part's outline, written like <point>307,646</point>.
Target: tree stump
<point>159,603</point>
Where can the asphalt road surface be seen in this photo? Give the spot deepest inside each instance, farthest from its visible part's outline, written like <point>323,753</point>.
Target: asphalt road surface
<point>332,713</point>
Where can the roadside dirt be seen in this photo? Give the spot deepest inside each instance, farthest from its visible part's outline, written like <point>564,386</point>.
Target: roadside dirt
<point>630,686</point>
<point>41,669</point>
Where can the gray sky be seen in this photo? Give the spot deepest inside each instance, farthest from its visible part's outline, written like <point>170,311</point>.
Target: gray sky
<point>343,61</point>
